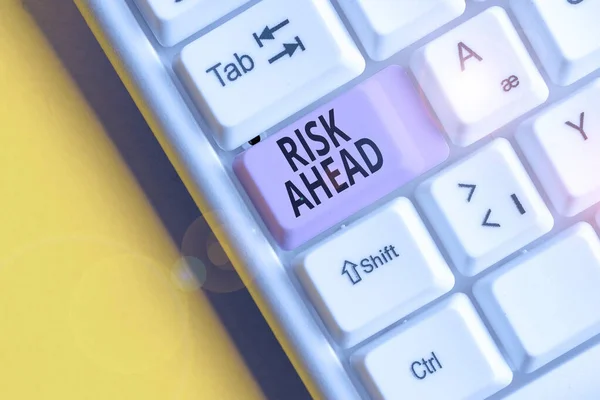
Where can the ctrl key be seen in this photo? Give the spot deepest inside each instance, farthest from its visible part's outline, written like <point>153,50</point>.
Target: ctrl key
<point>445,353</point>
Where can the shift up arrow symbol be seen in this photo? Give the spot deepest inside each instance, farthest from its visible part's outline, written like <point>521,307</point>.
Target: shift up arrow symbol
<point>349,269</point>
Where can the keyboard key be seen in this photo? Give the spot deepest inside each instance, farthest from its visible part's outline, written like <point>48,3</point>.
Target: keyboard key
<point>546,302</point>
<point>387,260</point>
<point>175,20</point>
<point>564,34</point>
<point>485,207</point>
<point>478,76</point>
<point>445,353</point>
<point>341,157</point>
<point>575,379</point>
<point>387,26</point>
<point>266,64</point>
<point>562,145</point>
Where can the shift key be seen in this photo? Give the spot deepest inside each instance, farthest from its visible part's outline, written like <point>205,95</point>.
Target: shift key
<point>341,158</point>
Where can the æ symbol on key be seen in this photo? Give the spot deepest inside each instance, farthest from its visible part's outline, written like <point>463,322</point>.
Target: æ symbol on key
<point>288,49</point>
<point>349,269</point>
<point>510,83</point>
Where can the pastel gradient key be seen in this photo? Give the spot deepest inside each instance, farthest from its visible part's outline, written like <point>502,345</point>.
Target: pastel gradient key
<point>341,158</point>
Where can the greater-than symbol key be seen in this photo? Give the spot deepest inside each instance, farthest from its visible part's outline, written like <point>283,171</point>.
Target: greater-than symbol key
<point>461,225</point>
<point>471,190</point>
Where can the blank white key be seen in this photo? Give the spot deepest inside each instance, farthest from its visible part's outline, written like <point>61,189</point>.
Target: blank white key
<point>387,26</point>
<point>564,34</point>
<point>266,64</point>
<point>485,207</point>
<point>545,303</point>
<point>576,379</point>
<point>478,76</point>
<point>374,272</point>
<point>175,20</point>
<point>562,144</point>
<point>445,353</point>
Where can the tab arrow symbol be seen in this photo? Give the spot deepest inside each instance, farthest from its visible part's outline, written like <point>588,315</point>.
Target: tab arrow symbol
<point>471,191</point>
<point>487,217</point>
<point>289,49</point>
<point>267,33</point>
<point>349,269</point>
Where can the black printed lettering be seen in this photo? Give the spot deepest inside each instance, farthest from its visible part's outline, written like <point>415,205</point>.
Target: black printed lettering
<point>232,72</point>
<point>245,62</point>
<point>305,145</point>
<point>241,65</point>
<point>332,129</point>
<point>332,175</point>
<point>291,152</point>
<point>417,371</point>
<point>377,261</point>
<point>510,83</point>
<point>369,264</point>
<point>328,162</point>
<point>579,127</point>
<point>214,69</point>
<point>297,199</point>
<point>424,367</point>
<point>366,265</point>
<point>470,54</point>
<point>316,138</point>
<point>373,166</point>
<point>312,187</point>
<point>351,166</point>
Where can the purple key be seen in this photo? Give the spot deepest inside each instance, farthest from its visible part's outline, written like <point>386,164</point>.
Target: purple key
<point>341,157</point>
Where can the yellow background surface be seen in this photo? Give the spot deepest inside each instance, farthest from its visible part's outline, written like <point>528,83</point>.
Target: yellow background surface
<point>90,307</point>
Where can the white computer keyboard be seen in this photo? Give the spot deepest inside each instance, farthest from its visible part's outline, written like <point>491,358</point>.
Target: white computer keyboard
<point>408,187</point>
